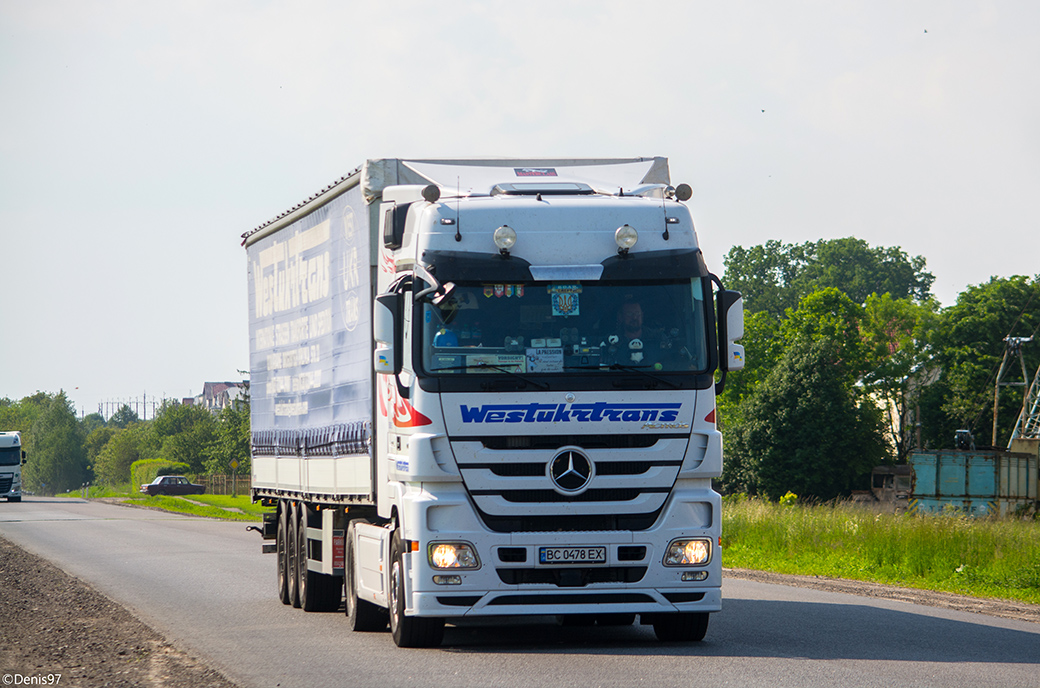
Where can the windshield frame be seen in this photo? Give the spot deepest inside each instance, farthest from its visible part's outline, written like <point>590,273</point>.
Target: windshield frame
<point>613,375</point>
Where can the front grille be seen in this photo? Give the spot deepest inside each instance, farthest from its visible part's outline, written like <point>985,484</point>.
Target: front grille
<point>5,484</point>
<point>624,480</point>
<point>570,523</point>
<point>551,496</point>
<point>572,577</point>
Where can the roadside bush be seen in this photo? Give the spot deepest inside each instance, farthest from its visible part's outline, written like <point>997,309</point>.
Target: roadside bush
<point>145,471</point>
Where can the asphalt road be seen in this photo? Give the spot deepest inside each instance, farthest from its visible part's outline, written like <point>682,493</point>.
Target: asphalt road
<point>205,585</point>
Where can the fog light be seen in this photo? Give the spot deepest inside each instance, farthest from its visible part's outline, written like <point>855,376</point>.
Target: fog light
<point>447,580</point>
<point>505,238</point>
<point>694,575</point>
<point>452,555</point>
<point>688,552</point>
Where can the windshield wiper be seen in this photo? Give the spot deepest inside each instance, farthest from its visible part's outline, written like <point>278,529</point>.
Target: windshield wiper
<point>628,368</point>
<point>503,369</point>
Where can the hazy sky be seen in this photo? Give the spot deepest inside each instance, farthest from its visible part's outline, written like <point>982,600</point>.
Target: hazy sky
<point>140,140</point>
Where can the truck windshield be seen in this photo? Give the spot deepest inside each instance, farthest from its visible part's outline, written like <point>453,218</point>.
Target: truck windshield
<point>10,456</point>
<point>574,327</point>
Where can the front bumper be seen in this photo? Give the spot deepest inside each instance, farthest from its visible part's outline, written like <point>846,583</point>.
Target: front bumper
<point>511,581</point>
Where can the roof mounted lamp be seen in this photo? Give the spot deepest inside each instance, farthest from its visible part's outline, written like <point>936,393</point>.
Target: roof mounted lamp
<point>625,237</point>
<point>684,192</point>
<point>505,239</point>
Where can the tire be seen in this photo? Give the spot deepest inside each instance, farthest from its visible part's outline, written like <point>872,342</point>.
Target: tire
<point>282,538</point>
<point>362,616</point>
<point>292,570</point>
<point>317,592</point>
<point>686,627</point>
<point>408,631</point>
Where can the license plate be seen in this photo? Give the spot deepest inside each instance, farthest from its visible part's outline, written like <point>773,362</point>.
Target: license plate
<point>572,555</point>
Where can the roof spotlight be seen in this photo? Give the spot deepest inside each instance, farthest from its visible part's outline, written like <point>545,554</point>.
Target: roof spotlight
<point>505,238</point>
<point>625,237</point>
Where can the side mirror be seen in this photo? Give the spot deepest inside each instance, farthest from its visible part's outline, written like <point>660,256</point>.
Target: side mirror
<point>731,354</point>
<point>23,457</point>
<point>386,319</point>
<point>730,319</point>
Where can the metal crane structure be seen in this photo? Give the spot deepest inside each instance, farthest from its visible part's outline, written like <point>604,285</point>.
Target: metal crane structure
<point>1028,425</point>
<point>1012,350</point>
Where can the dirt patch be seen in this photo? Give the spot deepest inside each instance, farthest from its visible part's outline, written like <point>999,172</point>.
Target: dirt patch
<point>55,624</point>
<point>1003,608</point>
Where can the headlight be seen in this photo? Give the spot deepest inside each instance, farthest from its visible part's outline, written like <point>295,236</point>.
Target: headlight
<point>693,552</point>
<point>452,555</point>
<point>504,237</point>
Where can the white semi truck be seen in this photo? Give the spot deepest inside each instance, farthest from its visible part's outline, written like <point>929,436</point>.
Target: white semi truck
<point>486,388</point>
<point>12,458</point>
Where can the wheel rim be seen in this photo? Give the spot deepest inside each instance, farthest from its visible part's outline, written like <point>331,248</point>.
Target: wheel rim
<point>395,578</point>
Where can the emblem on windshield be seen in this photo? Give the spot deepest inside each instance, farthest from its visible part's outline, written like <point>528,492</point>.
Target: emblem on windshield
<point>571,472</point>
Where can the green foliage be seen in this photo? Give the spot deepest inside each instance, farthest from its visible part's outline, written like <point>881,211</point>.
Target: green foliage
<point>186,434</point>
<point>774,277</point>
<point>805,429</point>
<point>232,440</point>
<point>983,557</point>
<point>57,460</point>
<point>130,444</point>
<point>124,417</point>
<point>969,347</point>
<point>187,505</point>
<point>145,471</point>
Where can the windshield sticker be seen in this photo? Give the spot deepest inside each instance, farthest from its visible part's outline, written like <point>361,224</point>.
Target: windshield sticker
<point>489,291</point>
<point>500,290</point>
<point>496,363</point>
<point>565,305</point>
<point>509,290</point>
<point>544,360</point>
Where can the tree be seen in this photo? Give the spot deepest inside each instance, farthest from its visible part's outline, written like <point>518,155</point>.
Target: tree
<point>129,444</point>
<point>233,439</point>
<point>969,343</point>
<point>58,461</point>
<point>775,276</point>
<point>186,434</point>
<point>805,429</point>
<point>124,417</point>
<point>900,365</point>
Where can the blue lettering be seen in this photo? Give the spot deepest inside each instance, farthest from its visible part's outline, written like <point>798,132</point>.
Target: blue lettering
<point>472,415</point>
<point>562,413</point>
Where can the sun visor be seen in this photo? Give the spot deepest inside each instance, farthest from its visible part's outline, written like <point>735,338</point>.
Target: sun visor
<point>480,176</point>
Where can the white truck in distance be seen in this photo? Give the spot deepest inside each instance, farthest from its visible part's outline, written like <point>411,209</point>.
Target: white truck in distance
<point>12,457</point>
<point>486,388</point>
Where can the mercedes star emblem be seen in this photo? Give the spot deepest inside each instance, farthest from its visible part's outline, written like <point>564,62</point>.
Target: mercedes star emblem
<point>571,471</point>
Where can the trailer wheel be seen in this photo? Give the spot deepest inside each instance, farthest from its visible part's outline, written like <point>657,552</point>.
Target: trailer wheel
<point>292,569</point>
<point>317,592</point>
<point>408,631</point>
<point>687,627</point>
<point>362,615</point>
<point>281,540</point>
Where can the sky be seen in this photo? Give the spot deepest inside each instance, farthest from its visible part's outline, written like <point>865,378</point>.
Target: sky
<point>138,141</point>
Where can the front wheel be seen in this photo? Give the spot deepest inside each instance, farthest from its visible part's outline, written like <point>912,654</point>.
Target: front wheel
<point>362,615</point>
<point>408,631</point>
<point>685,627</point>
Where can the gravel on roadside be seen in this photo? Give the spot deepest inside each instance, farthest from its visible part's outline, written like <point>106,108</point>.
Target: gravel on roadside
<point>52,623</point>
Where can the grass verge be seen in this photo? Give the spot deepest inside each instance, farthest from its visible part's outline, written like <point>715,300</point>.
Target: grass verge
<point>212,506</point>
<point>983,557</point>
